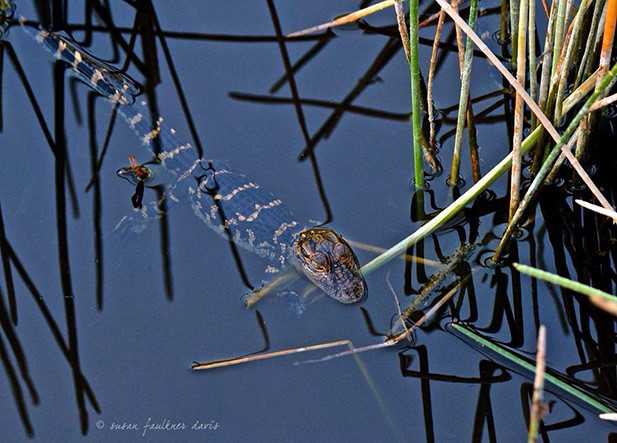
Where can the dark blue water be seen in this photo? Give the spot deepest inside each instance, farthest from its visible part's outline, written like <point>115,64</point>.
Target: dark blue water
<point>166,304</point>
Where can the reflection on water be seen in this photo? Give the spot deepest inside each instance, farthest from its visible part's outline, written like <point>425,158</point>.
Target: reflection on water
<point>99,329</point>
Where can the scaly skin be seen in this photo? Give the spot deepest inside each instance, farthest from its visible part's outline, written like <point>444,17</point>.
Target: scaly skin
<point>228,206</point>
<point>228,202</point>
<point>329,262</point>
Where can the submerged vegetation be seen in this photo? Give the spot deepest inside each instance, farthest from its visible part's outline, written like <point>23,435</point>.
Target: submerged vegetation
<point>557,93</point>
<point>562,96</point>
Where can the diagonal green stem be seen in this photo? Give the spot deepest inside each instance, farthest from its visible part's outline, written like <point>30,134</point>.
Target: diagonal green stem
<point>564,282</point>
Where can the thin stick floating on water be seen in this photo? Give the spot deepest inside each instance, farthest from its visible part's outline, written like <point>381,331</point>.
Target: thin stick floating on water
<point>200,366</point>
<point>280,280</point>
<point>349,18</point>
<point>397,338</point>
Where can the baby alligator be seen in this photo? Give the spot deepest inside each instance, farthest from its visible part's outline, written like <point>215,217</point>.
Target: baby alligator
<point>230,203</point>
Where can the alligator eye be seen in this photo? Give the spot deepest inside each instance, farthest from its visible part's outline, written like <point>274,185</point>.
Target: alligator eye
<point>339,250</point>
<point>307,250</point>
<point>319,263</point>
<point>342,254</point>
<point>331,237</point>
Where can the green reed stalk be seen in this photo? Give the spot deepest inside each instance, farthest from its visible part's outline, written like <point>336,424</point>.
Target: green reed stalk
<point>608,37</point>
<point>545,82</point>
<point>563,282</point>
<point>538,180</point>
<point>579,93</point>
<point>519,107</point>
<point>531,30</point>
<point>586,124</point>
<point>514,28</point>
<point>431,76</point>
<point>559,34</point>
<point>416,96</point>
<point>504,26</point>
<point>591,42</point>
<point>472,138</point>
<point>460,44</point>
<point>568,61</point>
<point>464,96</point>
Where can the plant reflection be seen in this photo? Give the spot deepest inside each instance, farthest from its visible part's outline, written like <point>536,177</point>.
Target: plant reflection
<point>564,239</point>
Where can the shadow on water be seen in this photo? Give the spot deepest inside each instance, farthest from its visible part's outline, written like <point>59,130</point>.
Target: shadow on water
<point>561,233</point>
<point>233,248</point>
<point>64,266</point>
<point>298,108</point>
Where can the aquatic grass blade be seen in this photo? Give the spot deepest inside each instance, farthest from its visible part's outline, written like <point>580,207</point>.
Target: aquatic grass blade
<point>524,367</point>
<point>563,282</point>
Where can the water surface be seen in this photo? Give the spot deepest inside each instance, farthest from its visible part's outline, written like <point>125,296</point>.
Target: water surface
<point>172,294</point>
